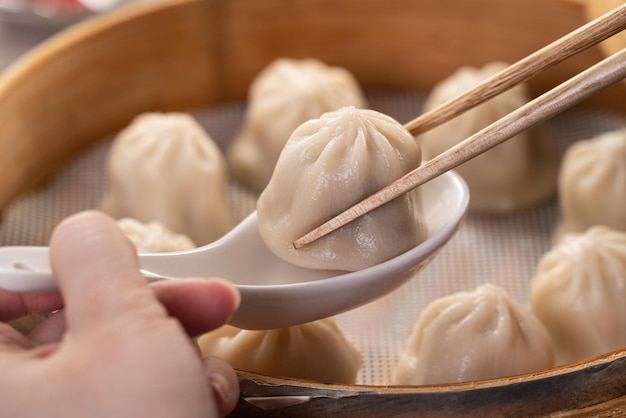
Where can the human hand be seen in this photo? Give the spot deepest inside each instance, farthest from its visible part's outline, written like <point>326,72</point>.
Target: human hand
<point>118,347</point>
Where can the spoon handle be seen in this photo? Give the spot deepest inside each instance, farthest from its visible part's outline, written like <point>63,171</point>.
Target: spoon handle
<point>27,269</point>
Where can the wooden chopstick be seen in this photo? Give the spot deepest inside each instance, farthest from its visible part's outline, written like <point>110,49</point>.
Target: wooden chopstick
<point>569,45</point>
<point>594,79</point>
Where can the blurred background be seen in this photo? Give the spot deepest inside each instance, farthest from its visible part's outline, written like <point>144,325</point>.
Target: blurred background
<point>25,23</point>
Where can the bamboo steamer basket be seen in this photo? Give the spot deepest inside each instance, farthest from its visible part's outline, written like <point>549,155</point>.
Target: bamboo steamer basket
<point>90,80</point>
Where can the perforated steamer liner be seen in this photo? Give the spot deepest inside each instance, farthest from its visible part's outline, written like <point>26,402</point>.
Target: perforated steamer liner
<point>502,250</point>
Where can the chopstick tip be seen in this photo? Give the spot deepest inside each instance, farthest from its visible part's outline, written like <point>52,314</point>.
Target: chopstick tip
<point>301,242</point>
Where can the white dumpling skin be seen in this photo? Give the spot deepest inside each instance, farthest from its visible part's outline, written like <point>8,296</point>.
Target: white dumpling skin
<point>592,184</point>
<point>285,94</point>
<point>328,165</point>
<point>471,336</point>
<point>514,175</point>
<point>153,237</point>
<point>316,351</point>
<point>579,293</point>
<point>165,168</point>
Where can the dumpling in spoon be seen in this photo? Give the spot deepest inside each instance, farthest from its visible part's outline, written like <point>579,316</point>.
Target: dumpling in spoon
<point>474,335</point>
<point>514,175</point>
<point>314,351</point>
<point>329,164</point>
<point>285,94</point>
<point>164,167</point>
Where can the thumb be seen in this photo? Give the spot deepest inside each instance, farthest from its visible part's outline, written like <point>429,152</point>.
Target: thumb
<point>97,271</point>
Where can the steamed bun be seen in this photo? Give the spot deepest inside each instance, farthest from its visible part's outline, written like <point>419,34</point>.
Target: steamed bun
<point>474,335</point>
<point>153,237</point>
<point>328,165</point>
<point>285,94</point>
<point>314,351</point>
<point>514,175</point>
<point>592,184</point>
<point>164,167</point>
<point>579,293</point>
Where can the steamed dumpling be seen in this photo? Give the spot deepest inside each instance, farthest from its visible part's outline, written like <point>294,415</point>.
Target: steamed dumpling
<point>474,335</point>
<point>579,293</point>
<point>285,94</point>
<point>314,351</point>
<point>328,165</point>
<point>164,167</point>
<point>514,175</point>
<point>153,237</point>
<point>592,183</point>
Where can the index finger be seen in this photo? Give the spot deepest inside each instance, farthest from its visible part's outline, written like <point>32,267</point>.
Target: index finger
<point>14,305</point>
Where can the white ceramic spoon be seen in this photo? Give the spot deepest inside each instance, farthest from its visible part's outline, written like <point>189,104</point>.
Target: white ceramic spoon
<point>274,293</point>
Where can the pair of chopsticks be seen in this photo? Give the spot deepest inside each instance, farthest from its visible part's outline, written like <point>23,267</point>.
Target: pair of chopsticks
<point>605,73</point>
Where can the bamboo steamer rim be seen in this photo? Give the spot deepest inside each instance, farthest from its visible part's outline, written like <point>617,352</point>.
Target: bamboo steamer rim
<point>20,173</point>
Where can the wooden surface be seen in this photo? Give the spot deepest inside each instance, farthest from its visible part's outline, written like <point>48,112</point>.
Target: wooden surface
<point>90,80</point>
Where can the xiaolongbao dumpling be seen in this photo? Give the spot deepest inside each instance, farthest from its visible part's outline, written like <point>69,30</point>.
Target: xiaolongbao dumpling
<point>153,237</point>
<point>474,335</point>
<point>515,174</point>
<point>578,292</point>
<point>314,351</point>
<point>328,165</point>
<point>592,184</point>
<point>164,167</point>
<point>285,94</point>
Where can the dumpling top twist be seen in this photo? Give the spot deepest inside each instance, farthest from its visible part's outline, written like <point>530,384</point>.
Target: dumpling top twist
<point>153,237</point>
<point>317,350</point>
<point>474,335</point>
<point>592,184</point>
<point>164,167</point>
<point>285,94</point>
<point>328,165</point>
<point>514,175</point>
<point>578,292</point>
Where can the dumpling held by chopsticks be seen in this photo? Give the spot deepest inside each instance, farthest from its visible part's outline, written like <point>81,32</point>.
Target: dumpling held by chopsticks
<point>328,165</point>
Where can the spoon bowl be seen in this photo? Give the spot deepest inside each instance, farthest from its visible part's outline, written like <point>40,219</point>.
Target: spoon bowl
<point>275,293</point>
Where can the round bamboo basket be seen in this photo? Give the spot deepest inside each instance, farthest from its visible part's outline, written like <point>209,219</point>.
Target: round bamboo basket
<point>90,80</point>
